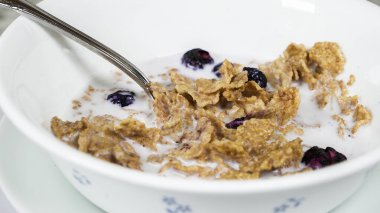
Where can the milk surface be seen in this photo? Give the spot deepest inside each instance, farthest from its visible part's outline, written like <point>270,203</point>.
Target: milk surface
<point>319,128</point>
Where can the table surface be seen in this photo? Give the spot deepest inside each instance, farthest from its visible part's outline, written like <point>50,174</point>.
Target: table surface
<point>5,206</point>
<point>6,17</point>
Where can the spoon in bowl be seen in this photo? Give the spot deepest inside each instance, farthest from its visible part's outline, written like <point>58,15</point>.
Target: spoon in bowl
<point>44,18</point>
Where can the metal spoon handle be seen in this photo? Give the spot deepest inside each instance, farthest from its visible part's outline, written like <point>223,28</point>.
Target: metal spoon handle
<point>40,16</point>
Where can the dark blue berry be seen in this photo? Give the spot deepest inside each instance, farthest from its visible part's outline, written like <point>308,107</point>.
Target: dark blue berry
<point>122,97</point>
<point>316,157</point>
<point>334,156</point>
<point>237,122</point>
<point>256,75</point>
<point>216,70</point>
<point>196,58</point>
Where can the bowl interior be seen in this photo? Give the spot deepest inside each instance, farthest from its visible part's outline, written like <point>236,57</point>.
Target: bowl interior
<point>42,72</point>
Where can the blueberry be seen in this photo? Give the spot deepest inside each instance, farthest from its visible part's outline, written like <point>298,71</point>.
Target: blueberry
<point>196,58</point>
<point>122,97</point>
<point>256,75</point>
<point>335,157</point>
<point>317,157</point>
<point>237,122</point>
<point>216,70</point>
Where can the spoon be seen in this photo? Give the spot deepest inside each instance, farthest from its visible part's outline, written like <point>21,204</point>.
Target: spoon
<point>44,18</point>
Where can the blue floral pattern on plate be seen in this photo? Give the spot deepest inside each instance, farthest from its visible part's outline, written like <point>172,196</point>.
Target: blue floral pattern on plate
<point>288,204</point>
<point>173,206</point>
<point>80,178</point>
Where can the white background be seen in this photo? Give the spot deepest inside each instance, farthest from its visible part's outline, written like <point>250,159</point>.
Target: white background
<point>5,18</point>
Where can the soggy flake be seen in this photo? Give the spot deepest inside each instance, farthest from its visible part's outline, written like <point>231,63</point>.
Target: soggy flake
<point>343,88</point>
<point>251,88</point>
<point>67,131</point>
<point>306,74</point>
<point>172,110</point>
<point>76,104</point>
<point>98,137</point>
<point>279,73</point>
<point>255,133</point>
<point>236,174</point>
<point>281,156</point>
<point>193,145</point>
<point>318,68</point>
<point>238,81</point>
<point>208,86</point>
<point>137,131</point>
<point>362,116</point>
<point>228,71</point>
<point>322,98</point>
<point>201,95</point>
<point>125,155</point>
<point>220,130</point>
<point>285,103</point>
<point>351,80</point>
<point>347,104</point>
<point>232,95</point>
<point>341,124</point>
<point>235,112</point>
<point>328,56</point>
<point>296,56</point>
<point>155,158</point>
<point>292,127</point>
<point>254,106</point>
<point>229,149</point>
<point>188,170</point>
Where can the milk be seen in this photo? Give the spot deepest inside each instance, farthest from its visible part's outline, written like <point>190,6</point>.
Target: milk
<point>319,128</point>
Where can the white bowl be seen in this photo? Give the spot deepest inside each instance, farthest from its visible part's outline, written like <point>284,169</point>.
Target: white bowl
<point>41,72</point>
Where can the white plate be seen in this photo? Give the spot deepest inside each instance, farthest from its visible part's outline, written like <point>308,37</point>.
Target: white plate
<point>31,181</point>
<point>33,184</point>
